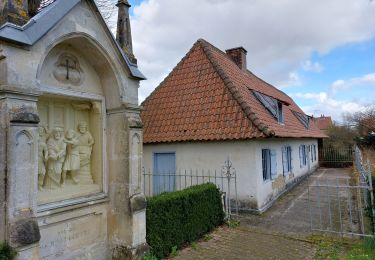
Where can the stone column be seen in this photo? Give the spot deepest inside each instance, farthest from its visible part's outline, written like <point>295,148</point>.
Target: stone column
<point>126,216</point>
<point>14,11</point>
<point>18,166</point>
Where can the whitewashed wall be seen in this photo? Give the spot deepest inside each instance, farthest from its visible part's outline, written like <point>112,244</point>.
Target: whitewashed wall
<point>246,157</point>
<point>265,193</point>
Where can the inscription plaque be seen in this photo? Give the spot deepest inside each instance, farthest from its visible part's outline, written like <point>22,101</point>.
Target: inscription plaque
<point>62,238</point>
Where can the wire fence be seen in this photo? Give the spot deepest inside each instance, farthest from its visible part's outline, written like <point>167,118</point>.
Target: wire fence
<point>340,204</point>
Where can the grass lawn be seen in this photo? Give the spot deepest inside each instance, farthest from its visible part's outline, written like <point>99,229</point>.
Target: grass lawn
<point>333,248</point>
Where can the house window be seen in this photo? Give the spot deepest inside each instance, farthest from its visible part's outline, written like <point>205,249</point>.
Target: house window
<point>287,159</point>
<point>274,106</point>
<point>304,119</point>
<point>302,155</point>
<point>269,164</point>
<point>280,117</point>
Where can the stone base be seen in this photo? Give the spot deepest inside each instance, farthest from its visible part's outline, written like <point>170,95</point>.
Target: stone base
<point>133,253</point>
<point>68,191</point>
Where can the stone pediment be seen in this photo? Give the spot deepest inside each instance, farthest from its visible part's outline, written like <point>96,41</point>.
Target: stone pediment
<point>65,67</point>
<point>42,23</point>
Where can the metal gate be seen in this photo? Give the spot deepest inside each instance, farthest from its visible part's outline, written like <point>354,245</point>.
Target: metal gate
<point>342,204</point>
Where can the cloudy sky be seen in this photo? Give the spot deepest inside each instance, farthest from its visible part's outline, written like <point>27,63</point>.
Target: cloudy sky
<point>321,52</point>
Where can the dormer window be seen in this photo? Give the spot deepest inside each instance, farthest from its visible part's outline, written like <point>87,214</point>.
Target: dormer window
<point>274,106</point>
<point>304,119</point>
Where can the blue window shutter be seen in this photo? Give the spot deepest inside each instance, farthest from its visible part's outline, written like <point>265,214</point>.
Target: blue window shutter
<point>273,164</point>
<point>291,158</point>
<point>300,156</point>
<point>264,164</point>
<point>285,158</point>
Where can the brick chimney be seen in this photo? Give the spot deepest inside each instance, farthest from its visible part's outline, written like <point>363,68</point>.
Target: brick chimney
<point>14,11</point>
<point>238,55</point>
<point>124,34</point>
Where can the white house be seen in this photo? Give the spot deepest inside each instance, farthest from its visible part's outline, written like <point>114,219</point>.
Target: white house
<point>211,107</point>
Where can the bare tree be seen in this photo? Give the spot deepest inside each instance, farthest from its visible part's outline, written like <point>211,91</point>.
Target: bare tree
<point>107,8</point>
<point>364,121</point>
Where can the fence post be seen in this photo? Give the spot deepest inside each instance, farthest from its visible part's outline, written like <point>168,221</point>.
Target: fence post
<point>229,172</point>
<point>371,194</point>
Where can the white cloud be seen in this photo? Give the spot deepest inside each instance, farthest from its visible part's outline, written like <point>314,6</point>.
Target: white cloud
<point>366,80</point>
<point>278,35</point>
<point>308,65</point>
<point>321,97</point>
<point>292,80</point>
<point>327,104</point>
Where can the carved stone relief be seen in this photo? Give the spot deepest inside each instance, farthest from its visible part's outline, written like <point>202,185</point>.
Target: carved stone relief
<point>65,151</point>
<point>85,143</point>
<point>70,154</point>
<point>42,157</point>
<point>68,70</point>
<point>56,157</point>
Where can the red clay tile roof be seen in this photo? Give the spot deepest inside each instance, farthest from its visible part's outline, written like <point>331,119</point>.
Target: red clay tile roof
<point>323,122</point>
<point>207,97</point>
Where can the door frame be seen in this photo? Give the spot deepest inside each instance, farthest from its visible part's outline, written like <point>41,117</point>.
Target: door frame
<point>154,163</point>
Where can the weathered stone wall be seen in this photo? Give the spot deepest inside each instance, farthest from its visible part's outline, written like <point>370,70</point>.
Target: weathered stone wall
<point>14,12</point>
<point>115,215</point>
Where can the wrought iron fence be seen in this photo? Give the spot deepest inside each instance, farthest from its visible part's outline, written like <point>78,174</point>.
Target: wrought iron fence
<point>336,157</point>
<point>225,179</point>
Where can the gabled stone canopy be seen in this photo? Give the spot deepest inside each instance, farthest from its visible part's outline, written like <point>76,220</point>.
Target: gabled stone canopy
<point>65,69</point>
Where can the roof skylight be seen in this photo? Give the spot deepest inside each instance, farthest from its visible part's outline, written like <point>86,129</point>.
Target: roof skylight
<point>273,105</point>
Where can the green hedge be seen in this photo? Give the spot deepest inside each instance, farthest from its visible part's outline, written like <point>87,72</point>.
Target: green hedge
<point>6,251</point>
<point>180,217</point>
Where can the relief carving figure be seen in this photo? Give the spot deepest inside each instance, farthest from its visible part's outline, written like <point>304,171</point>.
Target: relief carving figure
<point>42,157</point>
<point>56,156</point>
<point>72,160</point>
<point>85,143</point>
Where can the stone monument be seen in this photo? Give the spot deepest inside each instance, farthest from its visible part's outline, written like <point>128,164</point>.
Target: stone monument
<point>71,135</point>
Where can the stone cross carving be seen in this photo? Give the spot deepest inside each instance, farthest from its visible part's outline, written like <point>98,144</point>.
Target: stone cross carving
<point>68,70</point>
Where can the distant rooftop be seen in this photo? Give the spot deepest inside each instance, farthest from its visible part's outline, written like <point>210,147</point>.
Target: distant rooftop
<point>323,122</point>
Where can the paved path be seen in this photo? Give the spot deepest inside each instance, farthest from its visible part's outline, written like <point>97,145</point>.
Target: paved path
<point>277,234</point>
<point>291,213</point>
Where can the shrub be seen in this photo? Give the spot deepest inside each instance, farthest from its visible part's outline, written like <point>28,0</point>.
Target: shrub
<point>176,218</point>
<point>6,251</point>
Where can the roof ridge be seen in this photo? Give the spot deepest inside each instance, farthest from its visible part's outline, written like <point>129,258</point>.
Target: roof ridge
<point>170,73</point>
<point>269,84</point>
<point>233,90</point>
<point>247,70</point>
